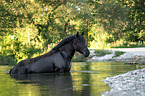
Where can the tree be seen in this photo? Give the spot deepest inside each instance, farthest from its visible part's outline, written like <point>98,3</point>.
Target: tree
<point>34,24</point>
<point>136,22</point>
<point>40,25</point>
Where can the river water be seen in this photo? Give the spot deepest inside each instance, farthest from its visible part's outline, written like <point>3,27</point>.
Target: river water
<point>85,79</point>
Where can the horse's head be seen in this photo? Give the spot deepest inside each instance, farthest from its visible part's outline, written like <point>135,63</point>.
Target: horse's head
<point>80,46</point>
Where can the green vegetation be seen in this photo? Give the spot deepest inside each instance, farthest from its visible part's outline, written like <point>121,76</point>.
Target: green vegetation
<point>127,44</point>
<point>118,53</point>
<point>7,60</point>
<point>99,52</point>
<point>79,58</point>
<point>29,28</point>
<point>102,52</point>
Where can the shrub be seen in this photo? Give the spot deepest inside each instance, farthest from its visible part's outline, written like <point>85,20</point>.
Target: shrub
<point>102,52</point>
<point>118,53</point>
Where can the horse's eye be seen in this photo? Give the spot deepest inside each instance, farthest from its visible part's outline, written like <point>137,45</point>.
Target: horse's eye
<point>79,41</point>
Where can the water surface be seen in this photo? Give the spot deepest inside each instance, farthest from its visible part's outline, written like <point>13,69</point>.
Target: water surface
<point>85,79</point>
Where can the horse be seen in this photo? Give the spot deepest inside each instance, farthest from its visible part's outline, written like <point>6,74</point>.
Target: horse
<point>57,60</point>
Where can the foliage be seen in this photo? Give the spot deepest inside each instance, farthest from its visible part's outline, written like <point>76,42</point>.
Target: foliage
<point>79,58</point>
<point>118,53</point>
<point>135,27</point>
<point>7,60</point>
<point>100,37</point>
<point>29,28</point>
<point>102,52</point>
<point>122,43</point>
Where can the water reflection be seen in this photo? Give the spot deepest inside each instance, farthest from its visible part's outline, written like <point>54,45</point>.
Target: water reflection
<point>88,77</point>
<point>48,84</point>
<point>85,79</point>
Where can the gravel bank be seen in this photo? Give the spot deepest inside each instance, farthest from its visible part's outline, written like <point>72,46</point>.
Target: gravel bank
<point>132,55</point>
<point>129,84</point>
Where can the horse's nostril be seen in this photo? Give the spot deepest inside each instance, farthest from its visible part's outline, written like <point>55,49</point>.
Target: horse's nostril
<point>86,54</point>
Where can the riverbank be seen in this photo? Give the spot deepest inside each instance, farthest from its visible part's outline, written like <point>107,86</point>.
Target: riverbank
<point>129,84</point>
<point>131,55</point>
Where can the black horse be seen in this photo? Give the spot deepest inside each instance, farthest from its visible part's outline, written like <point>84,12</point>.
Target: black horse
<point>57,60</point>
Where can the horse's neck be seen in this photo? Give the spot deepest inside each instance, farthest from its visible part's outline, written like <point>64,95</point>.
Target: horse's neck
<point>68,50</point>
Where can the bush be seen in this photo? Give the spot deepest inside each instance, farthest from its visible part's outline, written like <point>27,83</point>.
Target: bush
<point>7,60</point>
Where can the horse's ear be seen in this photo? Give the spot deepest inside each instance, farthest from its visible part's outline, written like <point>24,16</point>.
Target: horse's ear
<point>82,33</point>
<point>77,34</point>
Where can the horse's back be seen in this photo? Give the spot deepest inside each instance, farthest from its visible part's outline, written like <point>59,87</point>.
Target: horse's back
<point>47,64</point>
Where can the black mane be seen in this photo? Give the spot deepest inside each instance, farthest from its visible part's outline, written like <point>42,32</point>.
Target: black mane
<point>64,41</point>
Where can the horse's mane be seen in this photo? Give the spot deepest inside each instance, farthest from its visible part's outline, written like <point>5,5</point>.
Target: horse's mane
<point>54,50</point>
<point>64,41</point>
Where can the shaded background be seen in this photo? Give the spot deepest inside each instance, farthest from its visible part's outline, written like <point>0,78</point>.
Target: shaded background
<point>29,28</point>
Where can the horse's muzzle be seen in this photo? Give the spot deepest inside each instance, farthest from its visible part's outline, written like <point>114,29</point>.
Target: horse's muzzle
<point>86,52</point>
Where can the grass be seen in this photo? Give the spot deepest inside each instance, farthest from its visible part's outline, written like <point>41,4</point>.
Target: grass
<point>118,53</point>
<point>102,52</point>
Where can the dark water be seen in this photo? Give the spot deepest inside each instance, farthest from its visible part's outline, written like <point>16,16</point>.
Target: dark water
<point>85,79</point>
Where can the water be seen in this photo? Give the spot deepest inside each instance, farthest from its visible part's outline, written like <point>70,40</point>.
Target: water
<point>85,79</point>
